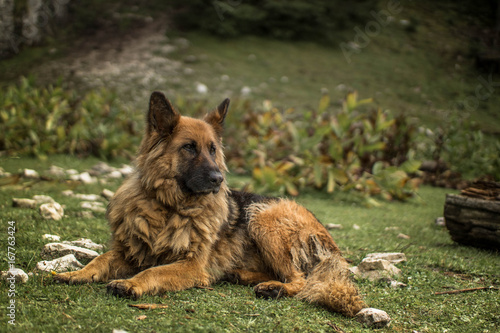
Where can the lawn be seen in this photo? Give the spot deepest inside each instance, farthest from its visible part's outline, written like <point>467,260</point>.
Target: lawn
<point>434,264</point>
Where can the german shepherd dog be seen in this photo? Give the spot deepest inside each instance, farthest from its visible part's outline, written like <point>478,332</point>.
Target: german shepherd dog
<point>176,225</point>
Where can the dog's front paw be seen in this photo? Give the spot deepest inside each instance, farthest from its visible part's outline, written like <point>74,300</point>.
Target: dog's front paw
<point>76,277</point>
<point>271,289</point>
<point>124,288</point>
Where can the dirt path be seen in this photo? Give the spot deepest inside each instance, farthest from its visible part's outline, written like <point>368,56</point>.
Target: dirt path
<point>133,64</point>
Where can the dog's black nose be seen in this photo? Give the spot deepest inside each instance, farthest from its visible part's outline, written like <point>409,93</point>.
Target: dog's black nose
<point>215,178</point>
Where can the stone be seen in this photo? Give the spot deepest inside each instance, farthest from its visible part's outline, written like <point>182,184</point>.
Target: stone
<point>41,199</point>
<point>52,211</point>
<point>375,269</point>
<point>56,171</point>
<point>86,243</point>
<point>30,173</point>
<point>392,257</point>
<point>246,91</point>
<point>126,170</point>
<point>71,172</point>
<point>23,203</point>
<point>201,88</point>
<point>18,274</point>
<point>440,222</point>
<point>94,206</point>
<point>115,174</point>
<point>4,173</point>
<point>87,197</point>
<point>107,194</point>
<point>374,318</point>
<point>403,236</point>
<point>101,168</point>
<point>52,250</point>
<point>68,193</point>
<point>86,178</point>
<point>395,284</point>
<point>52,238</point>
<point>59,265</point>
<point>333,226</point>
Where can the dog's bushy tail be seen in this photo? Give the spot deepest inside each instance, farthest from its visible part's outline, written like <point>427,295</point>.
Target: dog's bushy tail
<point>329,285</point>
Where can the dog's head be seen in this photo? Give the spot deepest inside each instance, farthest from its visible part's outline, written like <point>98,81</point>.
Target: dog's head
<point>182,154</point>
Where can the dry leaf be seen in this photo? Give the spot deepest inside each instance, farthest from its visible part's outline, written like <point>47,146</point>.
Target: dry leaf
<point>148,306</point>
<point>141,317</point>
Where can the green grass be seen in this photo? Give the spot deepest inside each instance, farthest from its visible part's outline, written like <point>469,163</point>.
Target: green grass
<point>434,264</point>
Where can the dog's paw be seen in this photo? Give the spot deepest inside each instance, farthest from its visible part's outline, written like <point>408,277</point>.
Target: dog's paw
<point>124,288</point>
<point>72,278</point>
<point>272,289</point>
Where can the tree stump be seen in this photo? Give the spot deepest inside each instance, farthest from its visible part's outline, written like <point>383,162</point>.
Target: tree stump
<point>473,221</point>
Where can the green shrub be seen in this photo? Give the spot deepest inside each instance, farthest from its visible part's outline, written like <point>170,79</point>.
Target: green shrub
<point>465,148</point>
<point>369,152</point>
<point>42,121</point>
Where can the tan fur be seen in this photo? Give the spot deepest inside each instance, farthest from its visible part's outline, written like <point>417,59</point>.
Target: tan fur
<point>169,234</point>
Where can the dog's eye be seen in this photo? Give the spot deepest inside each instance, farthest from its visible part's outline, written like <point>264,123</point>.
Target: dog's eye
<point>190,147</point>
<point>212,150</point>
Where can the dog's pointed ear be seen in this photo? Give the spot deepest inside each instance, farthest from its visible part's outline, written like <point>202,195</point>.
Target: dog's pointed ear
<point>162,117</point>
<point>216,117</point>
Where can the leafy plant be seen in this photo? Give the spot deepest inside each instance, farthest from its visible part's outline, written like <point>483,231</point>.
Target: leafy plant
<point>42,121</point>
<point>465,148</point>
<point>352,149</point>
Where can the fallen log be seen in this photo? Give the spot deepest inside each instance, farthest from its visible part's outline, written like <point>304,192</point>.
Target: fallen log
<point>473,221</point>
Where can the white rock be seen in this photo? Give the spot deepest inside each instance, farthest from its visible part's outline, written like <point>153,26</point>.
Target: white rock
<point>86,243</point>
<point>86,178</point>
<point>30,173</point>
<point>403,236</point>
<point>375,269</point>
<point>87,197</point>
<point>115,174</point>
<point>68,193</point>
<point>23,203</point>
<point>3,173</point>
<point>201,88</point>
<point>440,222</point>
<point>63,264</point>
<point>126,170</point>
<point>245,91</point>
<point>52,211</point>
<point>101,168</point>
<point>374,318</point>
<point>71,172</point>
<point>18,274</point>
<point>370,264</point>
<point>395,284</point>
<point>52,238</point>
<point>94,206</point>
<point>331,226</point>
<point>393,257</point>
<point>41,199</point>
<point>356,227</point>
<point>107,194</point>
<point>61,249</point>
<point>56,171</point>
